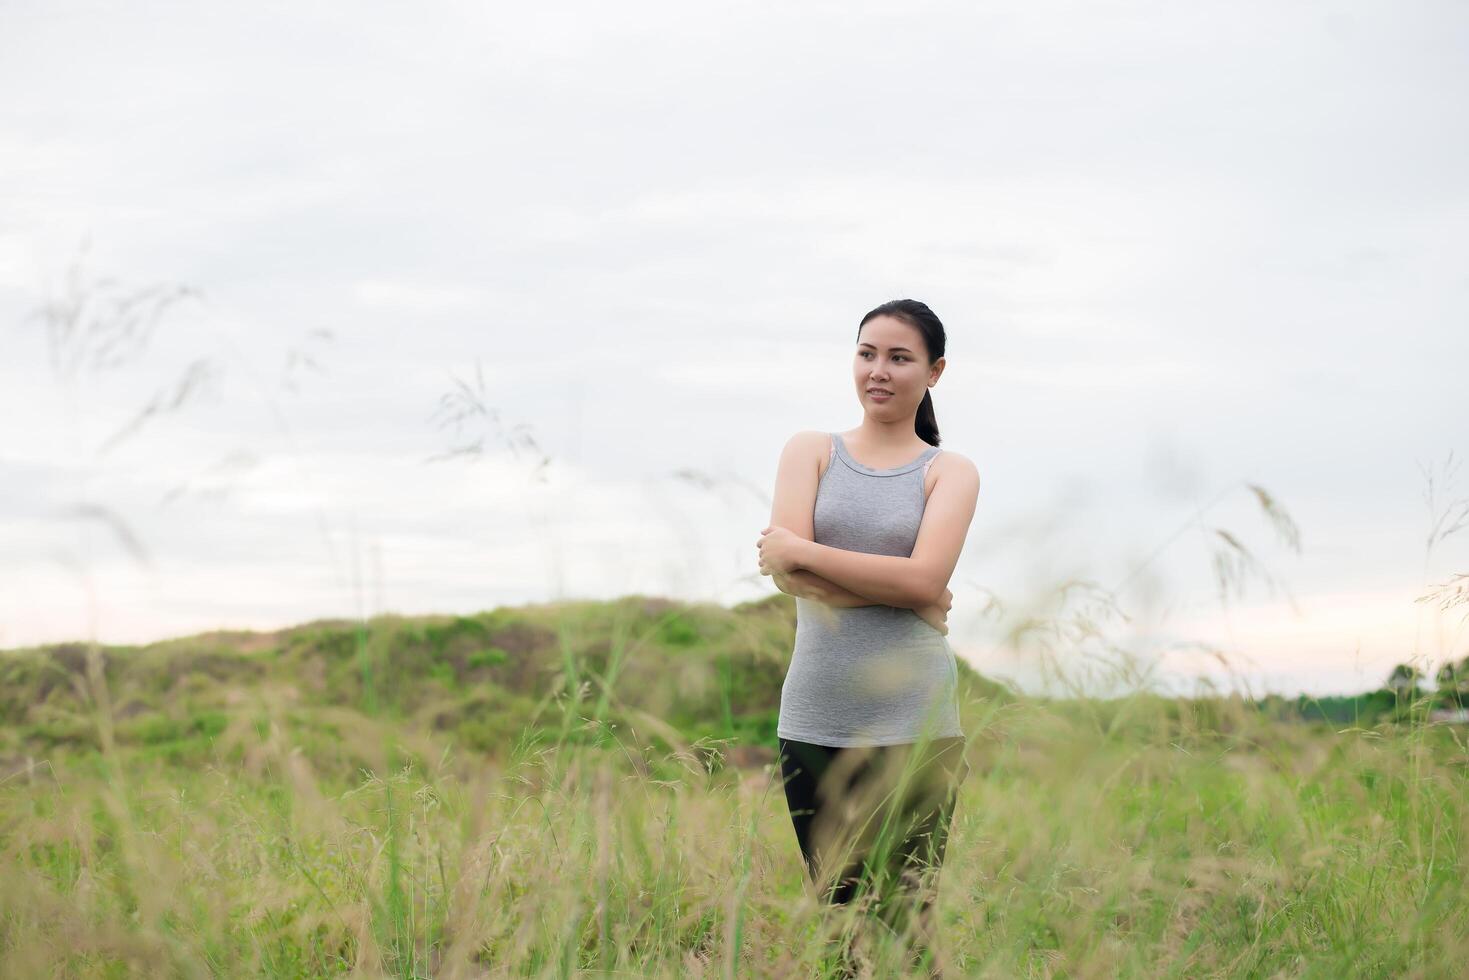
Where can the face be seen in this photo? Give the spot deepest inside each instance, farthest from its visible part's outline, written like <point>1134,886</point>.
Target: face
<point>891,356</point>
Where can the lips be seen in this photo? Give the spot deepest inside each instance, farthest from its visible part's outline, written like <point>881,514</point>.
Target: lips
<point>878,391</point>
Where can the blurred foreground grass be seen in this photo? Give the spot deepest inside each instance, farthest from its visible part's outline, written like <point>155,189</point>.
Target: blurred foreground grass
<point>587,789</point>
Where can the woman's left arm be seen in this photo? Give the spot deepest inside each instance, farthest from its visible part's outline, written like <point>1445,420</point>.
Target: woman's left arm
<point>918,580</point>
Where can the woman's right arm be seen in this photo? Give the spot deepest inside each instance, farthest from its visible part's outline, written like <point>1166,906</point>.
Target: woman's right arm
<point>808,585</point>
<point>793,507</point>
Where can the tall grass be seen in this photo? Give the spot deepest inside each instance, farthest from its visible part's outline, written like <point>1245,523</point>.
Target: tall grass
<point>1146,836</point>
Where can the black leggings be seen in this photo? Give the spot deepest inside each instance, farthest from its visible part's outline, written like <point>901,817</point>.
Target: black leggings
<point>880,812</point>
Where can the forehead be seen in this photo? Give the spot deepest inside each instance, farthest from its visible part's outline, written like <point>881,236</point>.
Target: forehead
<point>889,332</point>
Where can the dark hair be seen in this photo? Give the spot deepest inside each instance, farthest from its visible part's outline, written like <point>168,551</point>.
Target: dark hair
<point>918,315</point>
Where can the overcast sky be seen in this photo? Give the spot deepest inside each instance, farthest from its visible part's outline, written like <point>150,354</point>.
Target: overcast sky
<point>1179,249</point>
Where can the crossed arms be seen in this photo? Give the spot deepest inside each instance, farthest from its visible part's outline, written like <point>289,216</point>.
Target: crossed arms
<point>853,578</point>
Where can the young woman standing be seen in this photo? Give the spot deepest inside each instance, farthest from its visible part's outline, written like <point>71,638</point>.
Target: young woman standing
<point>865,531</point>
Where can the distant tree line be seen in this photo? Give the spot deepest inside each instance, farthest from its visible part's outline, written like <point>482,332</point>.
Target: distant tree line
<point>1401,698</point>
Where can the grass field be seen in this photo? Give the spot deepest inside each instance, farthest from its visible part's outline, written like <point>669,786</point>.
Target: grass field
<point>394,798</point>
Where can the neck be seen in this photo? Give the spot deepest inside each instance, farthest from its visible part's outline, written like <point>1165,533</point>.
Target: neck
<point>887,435</point>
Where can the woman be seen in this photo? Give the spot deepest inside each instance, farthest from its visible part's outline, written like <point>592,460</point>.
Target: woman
<point>865,531</point>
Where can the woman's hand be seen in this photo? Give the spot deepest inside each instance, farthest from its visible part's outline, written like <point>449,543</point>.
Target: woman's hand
<point>779,549</point>
<point>936,617</point>
<point>937,614</point>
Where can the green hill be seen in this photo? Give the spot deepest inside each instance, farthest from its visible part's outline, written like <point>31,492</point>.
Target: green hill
<point>667,674</point>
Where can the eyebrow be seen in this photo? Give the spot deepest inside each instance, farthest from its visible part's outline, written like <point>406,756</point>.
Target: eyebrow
<point>874,347</point>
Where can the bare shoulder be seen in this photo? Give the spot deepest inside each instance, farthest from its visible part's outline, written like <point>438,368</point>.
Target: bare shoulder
<point>956,465</point>
<point>807,447</point>
<point>810,442</point>
<point>811,437</point>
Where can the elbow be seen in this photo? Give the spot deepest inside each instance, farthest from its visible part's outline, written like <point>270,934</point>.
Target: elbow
<point>787,585</point>
<point>929,591</point>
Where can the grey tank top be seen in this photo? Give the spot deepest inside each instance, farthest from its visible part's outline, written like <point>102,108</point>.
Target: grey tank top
<point>868,675</point>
